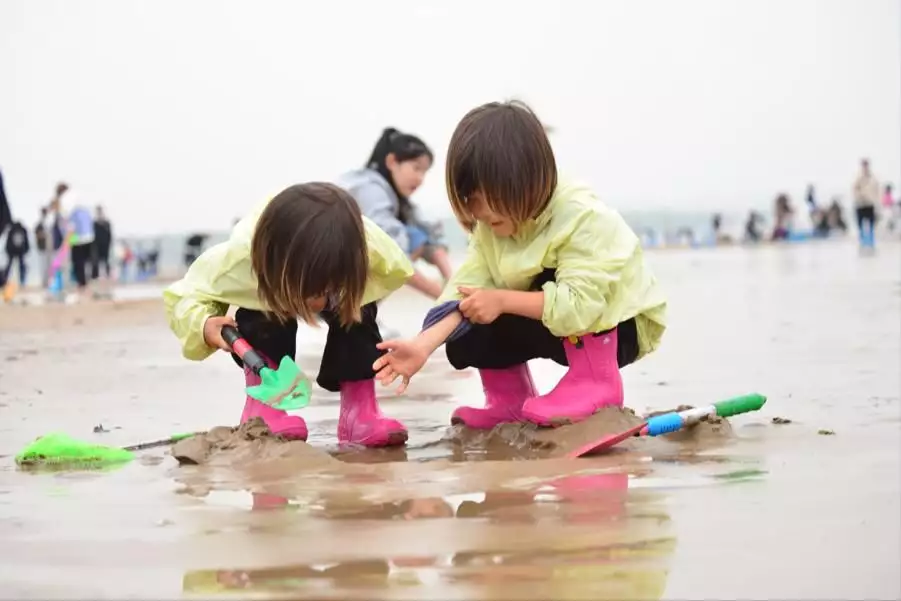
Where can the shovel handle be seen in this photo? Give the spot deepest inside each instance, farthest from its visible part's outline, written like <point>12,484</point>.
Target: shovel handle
<point>242,348</point>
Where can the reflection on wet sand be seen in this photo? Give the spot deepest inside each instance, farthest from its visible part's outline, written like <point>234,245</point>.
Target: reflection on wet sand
<point>621,551</point>
<point>511,529</point>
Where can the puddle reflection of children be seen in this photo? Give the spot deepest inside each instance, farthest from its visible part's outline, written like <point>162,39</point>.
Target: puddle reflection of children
<point>410,509</point>
<point>580,498</point>
<point>364,573</point>
<point>606,569</point>
<point>359,573</point>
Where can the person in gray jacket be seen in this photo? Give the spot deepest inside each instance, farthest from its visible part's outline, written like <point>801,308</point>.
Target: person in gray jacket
<point>382,189</point>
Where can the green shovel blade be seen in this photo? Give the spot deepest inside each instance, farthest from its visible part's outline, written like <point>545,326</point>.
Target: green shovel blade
<point>284,388</point>
<point>59,448</point>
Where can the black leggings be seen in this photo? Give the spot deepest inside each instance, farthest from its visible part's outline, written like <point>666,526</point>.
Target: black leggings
<point>100,257</point>
<point>81,255</point>
<point>512,339</point>
<point>866,215</point>
<point>7,271</point>
<point>349,352</point>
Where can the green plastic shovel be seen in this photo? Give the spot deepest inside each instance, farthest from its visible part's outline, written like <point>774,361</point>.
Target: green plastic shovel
<point>58,449</point>
<point>284,388</point>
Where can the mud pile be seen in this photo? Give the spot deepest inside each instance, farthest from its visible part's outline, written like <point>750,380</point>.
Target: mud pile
<point>528,441</point>
<point>254,442</point>
<point>249,442</point>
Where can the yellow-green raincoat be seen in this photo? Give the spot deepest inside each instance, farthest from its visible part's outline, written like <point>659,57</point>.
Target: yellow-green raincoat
<point>222,277</point>
<point>602,279</point>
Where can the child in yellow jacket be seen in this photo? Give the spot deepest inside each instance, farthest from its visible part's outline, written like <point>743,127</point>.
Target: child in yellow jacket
<point>307,253</point>
<point>551,272</point>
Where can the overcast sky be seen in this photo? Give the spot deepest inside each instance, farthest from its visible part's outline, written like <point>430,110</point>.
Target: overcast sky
<point>177,115</point>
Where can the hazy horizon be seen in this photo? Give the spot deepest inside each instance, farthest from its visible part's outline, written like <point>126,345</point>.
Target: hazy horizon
<point>178,116</point>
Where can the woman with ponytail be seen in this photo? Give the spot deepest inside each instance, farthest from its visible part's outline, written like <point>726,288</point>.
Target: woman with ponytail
<point>383,187</point>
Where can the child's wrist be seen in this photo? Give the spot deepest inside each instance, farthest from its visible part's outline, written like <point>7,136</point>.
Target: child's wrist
<point>503,301</point>
<point>428,341</point>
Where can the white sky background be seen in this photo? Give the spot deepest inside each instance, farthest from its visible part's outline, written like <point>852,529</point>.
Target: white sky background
<point>177,115</point>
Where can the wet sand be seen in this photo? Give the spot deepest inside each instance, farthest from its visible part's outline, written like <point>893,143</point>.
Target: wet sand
<point>755,510</point>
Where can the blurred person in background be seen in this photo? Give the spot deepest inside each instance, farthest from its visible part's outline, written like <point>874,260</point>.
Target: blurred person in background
<point>835,216</point>
<point>57,230</point>
<point>125,257</point>
<point>5,214</point>
<point>395,170</point>
<point>42,243</point>
<point>891,207</point>
<point>103,241</point>
<point>866,198</point>
<point>753,234</point>
<point>80,228</point>
<point>17,247</point>
<point>193,247</point>
<point>811,197</point>
<point>818,217</point>
<point>784,217</point>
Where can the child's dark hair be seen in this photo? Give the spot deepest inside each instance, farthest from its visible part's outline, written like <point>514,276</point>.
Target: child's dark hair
<point>501,151</point>
<point>404,147</point>
<point>309,242</point>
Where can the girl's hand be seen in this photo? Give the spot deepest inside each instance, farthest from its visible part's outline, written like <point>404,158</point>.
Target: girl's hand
<point>481,305</point>
<point>403,359</point>
<point>212,332</point>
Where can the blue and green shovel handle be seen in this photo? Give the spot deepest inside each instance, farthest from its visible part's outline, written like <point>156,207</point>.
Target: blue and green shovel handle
<point>676,420</point>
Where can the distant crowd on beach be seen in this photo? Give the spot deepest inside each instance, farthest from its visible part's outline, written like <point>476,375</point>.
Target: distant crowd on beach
<point>73,243</point>
<point>872,203</point>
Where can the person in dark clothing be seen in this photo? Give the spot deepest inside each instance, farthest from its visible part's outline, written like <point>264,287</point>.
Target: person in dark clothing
<point>5,215</point>
<point>42,243</point>
<point>17,247</point>
<point>194,247</point>
<point>752,229</point>
<point>811,197</point>
<point>103,241</point>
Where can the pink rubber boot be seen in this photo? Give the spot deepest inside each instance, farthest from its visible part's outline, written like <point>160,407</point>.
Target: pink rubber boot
<point>505,392</point>
<point>592,382</point>
<point>279,422</point>
<point>361,422</point>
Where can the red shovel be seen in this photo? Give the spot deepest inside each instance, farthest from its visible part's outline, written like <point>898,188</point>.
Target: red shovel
<point>608,441</point>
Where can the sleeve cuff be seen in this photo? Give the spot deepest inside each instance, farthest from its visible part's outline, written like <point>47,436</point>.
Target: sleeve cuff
<point>550,299</point>
<point>441,311</point>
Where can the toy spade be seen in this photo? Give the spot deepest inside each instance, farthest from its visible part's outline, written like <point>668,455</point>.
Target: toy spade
<point>284,388</point>
<point>673,421</point>
<point>60,449</point>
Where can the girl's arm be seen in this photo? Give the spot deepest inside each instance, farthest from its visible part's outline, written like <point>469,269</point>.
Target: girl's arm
<point>432,338</point>
<point>220,277</point>
<point>406,357</point>
<point>427,286</point>
<point>526,304</point>
<point>590,262</point>
<point>190,301</point>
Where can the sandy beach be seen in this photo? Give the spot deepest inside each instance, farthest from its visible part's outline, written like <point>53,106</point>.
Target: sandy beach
<point>799,510</point>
